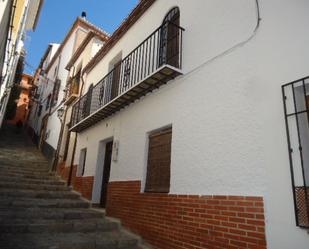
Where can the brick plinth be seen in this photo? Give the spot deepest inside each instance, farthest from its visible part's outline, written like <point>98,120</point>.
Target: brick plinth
<point>188,221</point>
<point>82,184</point>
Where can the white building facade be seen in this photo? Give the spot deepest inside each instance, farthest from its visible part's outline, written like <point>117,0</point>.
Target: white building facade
<point>201,161</point>
<point>39,105</point>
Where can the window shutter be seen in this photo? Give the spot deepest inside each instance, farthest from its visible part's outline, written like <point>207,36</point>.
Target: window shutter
<point>56,92</point>
<point>159,161</point>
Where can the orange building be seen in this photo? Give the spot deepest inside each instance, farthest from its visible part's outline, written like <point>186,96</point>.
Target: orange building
<point>22,110</point>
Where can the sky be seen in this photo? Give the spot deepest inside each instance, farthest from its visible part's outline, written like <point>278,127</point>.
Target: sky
<point>57,17</point>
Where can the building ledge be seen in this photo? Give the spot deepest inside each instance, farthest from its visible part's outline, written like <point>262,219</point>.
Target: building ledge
<point>155,80</point>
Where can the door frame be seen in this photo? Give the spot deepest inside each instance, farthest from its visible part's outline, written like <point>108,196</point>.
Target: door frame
<point>98,177</point>
<point>107,163</point>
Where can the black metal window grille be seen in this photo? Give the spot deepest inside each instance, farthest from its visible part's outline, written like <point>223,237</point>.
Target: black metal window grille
<point>168,41</point>
<point>296,102</point>
<point>56,91</point>
<point>135,67</point>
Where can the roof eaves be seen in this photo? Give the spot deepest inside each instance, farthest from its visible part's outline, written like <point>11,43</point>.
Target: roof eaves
<point>132,18</point>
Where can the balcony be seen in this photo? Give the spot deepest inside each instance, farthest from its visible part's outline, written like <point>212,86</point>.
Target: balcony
<point>72,90</point>
<point>157,60</point>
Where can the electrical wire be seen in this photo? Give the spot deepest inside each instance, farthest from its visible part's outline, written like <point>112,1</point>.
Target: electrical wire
<point>240,44</point>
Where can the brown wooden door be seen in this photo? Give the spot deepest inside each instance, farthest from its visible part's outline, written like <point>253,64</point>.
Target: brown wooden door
<point>116,80</point>
<point>172,50</point>
<point>106,172</point>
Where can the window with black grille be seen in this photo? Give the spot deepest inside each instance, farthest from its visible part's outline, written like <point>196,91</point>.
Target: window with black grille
<point>159,161</point>
<point>296,108</point>
<point>56,92</point>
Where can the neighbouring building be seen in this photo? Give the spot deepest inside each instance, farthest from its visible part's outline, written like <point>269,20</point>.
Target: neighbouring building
<point>16,17</point>
<point>22,102</point>
<point>38,99</point>
<point>85,52</point>
<point>184,124</point>
<point>5,15</point>
<point>52,85</point>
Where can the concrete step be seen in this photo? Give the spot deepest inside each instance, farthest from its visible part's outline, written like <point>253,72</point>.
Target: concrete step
<point>12,203</point>
<point>5,171</point>
<point>103,240</point>
<point>30,176</point>
<point>22,162</point>
<point>41,194</point>
<point>58,226</point>
<point>42,168</point>
<point>13,185</point>
<point>31,181</point>
<point>50,213</point>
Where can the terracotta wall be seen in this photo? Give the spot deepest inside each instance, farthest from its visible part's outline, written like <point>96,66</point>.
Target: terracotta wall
<point>82,184</point>
<point>189,221</point>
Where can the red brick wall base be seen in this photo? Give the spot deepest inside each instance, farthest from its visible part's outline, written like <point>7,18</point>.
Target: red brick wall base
<point>188,221</point>
<point>82,184</point>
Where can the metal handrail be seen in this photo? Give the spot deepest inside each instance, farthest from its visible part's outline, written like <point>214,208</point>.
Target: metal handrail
<point>162,47</point>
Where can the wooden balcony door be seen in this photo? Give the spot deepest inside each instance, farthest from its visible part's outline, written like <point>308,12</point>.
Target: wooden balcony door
<point>115,80</point>
<point>169,41</point>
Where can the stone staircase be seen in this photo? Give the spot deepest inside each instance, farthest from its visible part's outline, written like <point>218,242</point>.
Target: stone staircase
<point>38,210</point>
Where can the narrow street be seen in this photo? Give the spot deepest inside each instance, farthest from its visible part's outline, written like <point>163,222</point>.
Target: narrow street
<point>38,210</point>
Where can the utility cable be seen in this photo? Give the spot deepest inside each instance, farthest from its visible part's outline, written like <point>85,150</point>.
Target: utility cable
<point>240,44</point>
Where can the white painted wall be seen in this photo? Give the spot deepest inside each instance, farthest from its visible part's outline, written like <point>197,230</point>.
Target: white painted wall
<point>227,114</point>
<point>43,90</point>
<point>89,51</point>
<point>54,124</point>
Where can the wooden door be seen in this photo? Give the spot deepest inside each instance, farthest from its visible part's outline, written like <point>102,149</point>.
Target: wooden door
<point>106,172</point>
<point>116,80</point>
<point>172,50</point>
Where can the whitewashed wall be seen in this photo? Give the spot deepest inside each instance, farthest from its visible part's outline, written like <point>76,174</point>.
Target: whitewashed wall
<point>54,124</point>
<point>227,114</point>
<point>89,51</point>
<point>35,121</point>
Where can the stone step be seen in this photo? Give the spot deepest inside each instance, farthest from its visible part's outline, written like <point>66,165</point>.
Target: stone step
<point>58,226</point>
<point>30,176</point>
<point>14,179</point>
<point>13,203</point>
<point>41,194</point>
<point>50,213</point>
<point>13,185</point>
<point>25,172</point>
<point>103,240</point>
<point>40,167</point>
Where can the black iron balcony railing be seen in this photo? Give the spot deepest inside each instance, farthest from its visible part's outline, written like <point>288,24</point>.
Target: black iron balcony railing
<point>155,61</point>
<point>296,108</point>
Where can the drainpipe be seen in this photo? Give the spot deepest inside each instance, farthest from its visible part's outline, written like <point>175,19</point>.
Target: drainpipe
<point>56,158</point>
<point>75,140</point>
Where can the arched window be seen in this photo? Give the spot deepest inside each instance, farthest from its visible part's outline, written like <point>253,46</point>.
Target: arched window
<point>169,42</point>
<point>172,16</point>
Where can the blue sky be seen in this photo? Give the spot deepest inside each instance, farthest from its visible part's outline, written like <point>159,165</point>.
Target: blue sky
<point>57,16</point>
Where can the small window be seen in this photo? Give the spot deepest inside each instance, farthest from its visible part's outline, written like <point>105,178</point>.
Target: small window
<point>55,71</point>
<point>82,162</point>
<point>56,92</point>
<point>159,161</point>
<point>40,110</point>
<point>48,102</point>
